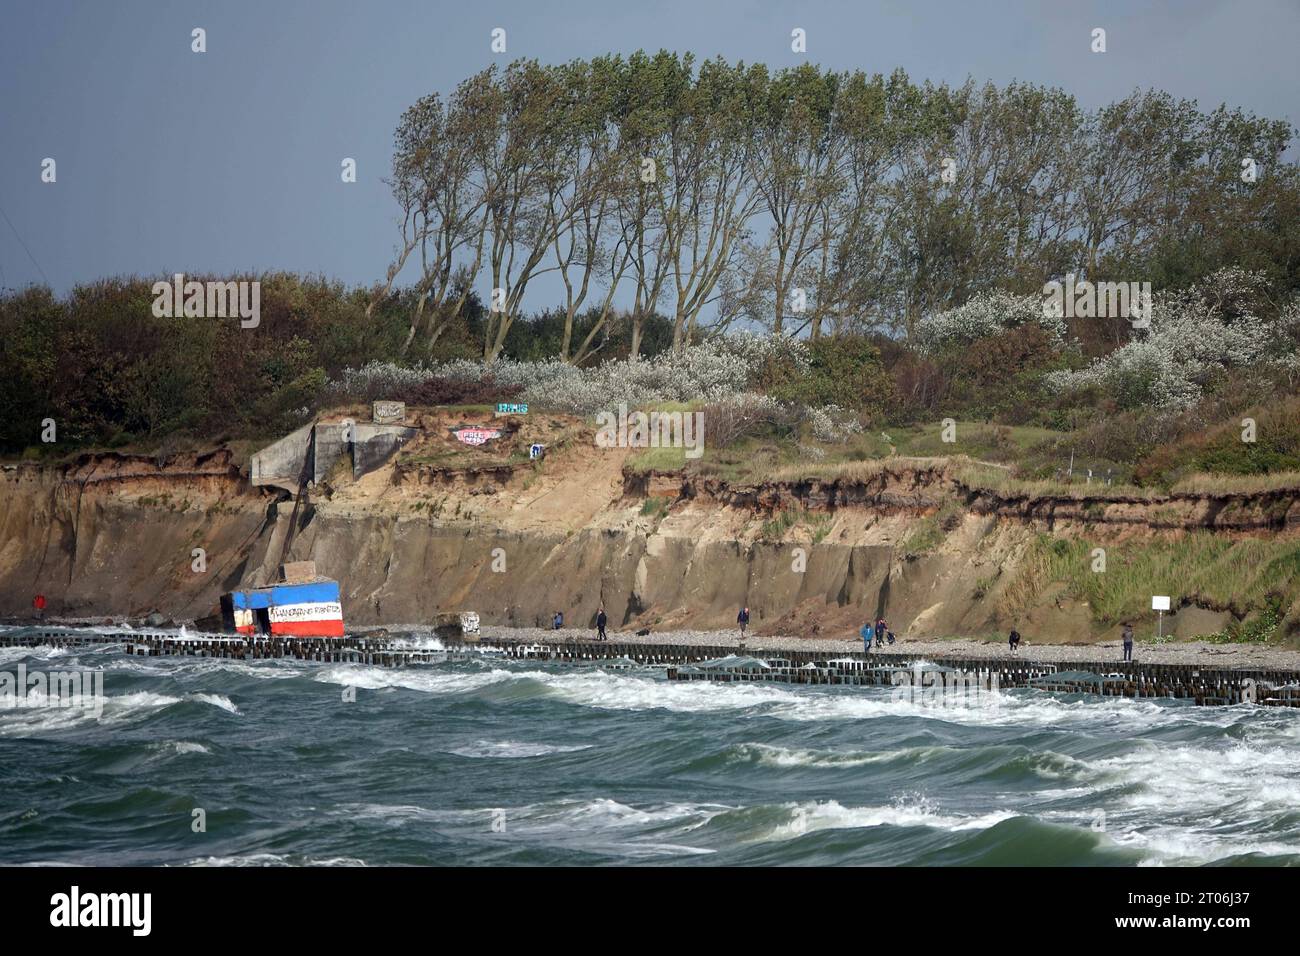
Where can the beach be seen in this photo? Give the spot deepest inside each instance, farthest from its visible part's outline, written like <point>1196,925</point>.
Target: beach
<point>1244,655</point>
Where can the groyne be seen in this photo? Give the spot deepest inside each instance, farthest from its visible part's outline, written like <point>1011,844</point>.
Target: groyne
<point>692,662</point>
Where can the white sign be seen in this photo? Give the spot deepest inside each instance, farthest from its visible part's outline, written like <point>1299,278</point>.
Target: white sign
<point>1159,603</point>
<point>316,611</point>
<point>475,436</point>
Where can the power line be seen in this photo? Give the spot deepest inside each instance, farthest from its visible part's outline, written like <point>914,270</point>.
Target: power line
<point>25,249</point>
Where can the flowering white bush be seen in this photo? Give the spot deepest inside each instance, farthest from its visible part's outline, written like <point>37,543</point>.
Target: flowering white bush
<point>1195,334</point>
<point>733,417</point>
<point>810,452</point>
<point>376,380</point>
<point>985,314</point>
<point>716,369</point>
<point>830,423</point>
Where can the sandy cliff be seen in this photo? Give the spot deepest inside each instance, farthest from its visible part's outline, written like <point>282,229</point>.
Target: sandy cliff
<point>445,527</point>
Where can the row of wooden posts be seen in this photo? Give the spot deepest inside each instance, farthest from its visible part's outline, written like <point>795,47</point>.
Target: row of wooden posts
<point>726,663</point>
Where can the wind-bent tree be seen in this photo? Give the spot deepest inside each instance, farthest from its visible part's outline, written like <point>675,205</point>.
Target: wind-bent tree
<point>800,149</point>
<point>703,181</point>
<point>443,206</point>
<point>590,163</point>
<point>709,192</point>
<point>523,178</point>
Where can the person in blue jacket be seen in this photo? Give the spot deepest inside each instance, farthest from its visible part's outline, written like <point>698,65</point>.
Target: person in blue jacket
<point>866,632</point>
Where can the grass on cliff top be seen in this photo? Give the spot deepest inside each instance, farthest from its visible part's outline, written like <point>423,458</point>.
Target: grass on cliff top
<point>1221,484</point>
<point>792,458</point>
<point>1244,576</point>
<point>996,458</point>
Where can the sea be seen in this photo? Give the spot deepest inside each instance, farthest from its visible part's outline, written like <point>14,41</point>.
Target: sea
<point>488,761</point>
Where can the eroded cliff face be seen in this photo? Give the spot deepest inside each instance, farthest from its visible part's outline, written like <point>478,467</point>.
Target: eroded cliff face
<point>911,488</point>
<point>113,535</point>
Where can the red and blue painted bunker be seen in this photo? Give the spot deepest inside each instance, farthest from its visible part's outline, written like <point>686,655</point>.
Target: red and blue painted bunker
<point>310,609</point>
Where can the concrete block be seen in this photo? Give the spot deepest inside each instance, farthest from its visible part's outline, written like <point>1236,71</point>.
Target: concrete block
<point>281,463</point>
<point>375,444</point>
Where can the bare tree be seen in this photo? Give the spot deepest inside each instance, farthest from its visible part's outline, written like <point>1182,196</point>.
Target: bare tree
<point>443,207</point>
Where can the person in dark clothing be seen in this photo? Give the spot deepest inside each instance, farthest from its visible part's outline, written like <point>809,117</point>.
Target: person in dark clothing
<point>601,621</point>
<point>1127,637</point>
<point>1014,640</point>
<point>559,620</point>
<point>743,620</point>
<point>881,629</point>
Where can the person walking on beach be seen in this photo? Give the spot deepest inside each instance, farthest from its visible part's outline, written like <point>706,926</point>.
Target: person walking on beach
<point>558,622</point>
<point>743,620</point>
<point>38,602</point>
<point>1014,640</point>
<point>866,638</point>
<point>882,628</point>
<point>601,621</point>
<point>1127,637</point>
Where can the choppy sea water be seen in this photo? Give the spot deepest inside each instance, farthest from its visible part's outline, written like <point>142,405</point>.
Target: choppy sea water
<point>501,762</point>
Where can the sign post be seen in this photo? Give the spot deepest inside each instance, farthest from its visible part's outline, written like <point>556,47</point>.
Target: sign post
<point>1159,604</point>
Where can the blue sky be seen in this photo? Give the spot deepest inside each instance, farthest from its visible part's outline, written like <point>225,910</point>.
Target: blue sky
<point>229,160</point>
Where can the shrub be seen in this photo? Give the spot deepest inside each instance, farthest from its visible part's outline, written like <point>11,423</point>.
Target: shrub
<point>845,372</point>
<point>1196,336</point>
<point>987,314</point>
<point>1001,376</point>
<point>830,423</point>
<point>376,380</point>
<point>448,391</point>
<point>715,369</point>
<point>731,419</point>
<point>921,386</point>
<point>1220,449</point>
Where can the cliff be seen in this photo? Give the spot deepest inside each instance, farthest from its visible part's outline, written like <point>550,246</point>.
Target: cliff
<point>445,527</point>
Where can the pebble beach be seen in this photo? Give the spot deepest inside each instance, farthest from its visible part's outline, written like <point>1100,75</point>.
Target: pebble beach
<point>1249,656</point>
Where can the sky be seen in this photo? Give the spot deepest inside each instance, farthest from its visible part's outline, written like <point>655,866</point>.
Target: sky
<point>229,161</point>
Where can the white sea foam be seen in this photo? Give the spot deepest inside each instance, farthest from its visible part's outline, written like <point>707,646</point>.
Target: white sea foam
<point>1183,803</point>
<point>430,680</point>
<point>32,721</point>
<point>593,823</point>
<point>120,708</point>
<point>1022,710</point>
<point>273,859</point>
<point>217,700</point>
<point>508,749</point>
<point>596,826</point>
<point>785,758</point>
<point>180,668</point>
<point>910,811</point>
<point>629,692</point>
<point>598,813</point>
<point>1019,709</point>
<point>180,747</point>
